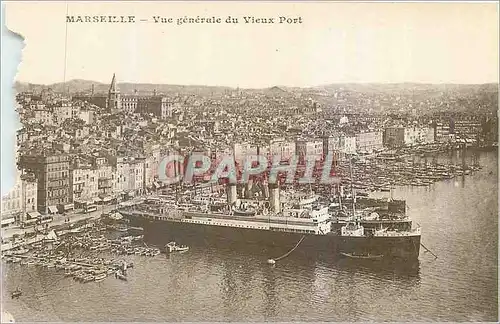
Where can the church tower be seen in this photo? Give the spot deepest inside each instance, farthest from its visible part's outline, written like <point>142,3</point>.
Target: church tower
<point>114,100</point>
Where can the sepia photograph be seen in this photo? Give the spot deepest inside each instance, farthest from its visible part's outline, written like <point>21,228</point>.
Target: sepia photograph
<point>225,161</point>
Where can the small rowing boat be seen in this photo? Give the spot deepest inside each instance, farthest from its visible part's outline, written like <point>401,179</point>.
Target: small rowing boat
<point>173,247</point>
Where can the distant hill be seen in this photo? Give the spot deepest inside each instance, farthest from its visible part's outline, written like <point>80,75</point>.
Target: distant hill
<point>276,89</point>
<point>403,87</point>
<point>78,85</point>
<point>75,86</point>
<point>71,86</point>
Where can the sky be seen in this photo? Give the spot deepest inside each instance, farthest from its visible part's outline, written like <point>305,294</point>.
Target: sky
<point>335,43</point>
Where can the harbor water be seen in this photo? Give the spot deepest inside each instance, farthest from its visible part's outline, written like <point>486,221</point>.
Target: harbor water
<point>459,220</point>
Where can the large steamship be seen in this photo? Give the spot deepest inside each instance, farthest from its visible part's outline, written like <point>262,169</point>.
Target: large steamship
<point>284,219</point>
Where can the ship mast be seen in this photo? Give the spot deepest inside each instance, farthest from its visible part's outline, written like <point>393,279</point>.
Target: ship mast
<point>352,190</point>
<point>340,197</point>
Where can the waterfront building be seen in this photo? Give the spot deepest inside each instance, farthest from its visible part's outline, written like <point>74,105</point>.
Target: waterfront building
<point>307,148</point>
<point>332,145</point>
<point>21,199</point>
<point>104,177</point>
<point>407,136</point>
<point>347,145</point>
<point>425,135</point>
<point>151,164</point>
<point>282,148</point>
<point>85,185</point>
<point>468,127</point>
<point>369,141</point>
<point>129,176</point>
<point>442,132</point>
<point>241,150</point>
<point>394,137</point>
<point>51,169</point>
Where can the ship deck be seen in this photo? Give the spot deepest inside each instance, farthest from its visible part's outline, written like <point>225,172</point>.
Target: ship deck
<point>181,216</point>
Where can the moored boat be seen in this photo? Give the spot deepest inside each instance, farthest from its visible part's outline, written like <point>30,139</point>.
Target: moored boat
<point>120,276</point>
<point>173,247</point>
<point>16,293</point>
<point>279,223</point>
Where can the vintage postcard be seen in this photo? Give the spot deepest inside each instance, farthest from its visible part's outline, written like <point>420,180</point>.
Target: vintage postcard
<point>243,161</point>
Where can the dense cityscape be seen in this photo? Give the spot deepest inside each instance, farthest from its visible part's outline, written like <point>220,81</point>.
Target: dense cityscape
<point>85,147</point>
<point>201,163</point>
<point>91,200</point>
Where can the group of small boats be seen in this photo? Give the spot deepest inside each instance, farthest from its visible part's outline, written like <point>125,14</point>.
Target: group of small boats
<point>11,259</point>
<point>82,269</point>
<point>14,256</point>
<point>61,254</point>
<point>124,245</point>
<point>99,274</point>
<point>376,175</point>
<point>89,275</point>
<point>138,250</point>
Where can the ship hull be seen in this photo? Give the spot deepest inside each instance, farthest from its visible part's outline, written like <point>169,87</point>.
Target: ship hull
<point>162,231</point>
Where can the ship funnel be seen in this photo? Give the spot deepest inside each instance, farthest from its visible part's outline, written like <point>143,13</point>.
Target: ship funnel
<point>274,198</point>
<point>249,189</point>
<point>265,191</point>
<point>264,185</point>
<point>231,193</point>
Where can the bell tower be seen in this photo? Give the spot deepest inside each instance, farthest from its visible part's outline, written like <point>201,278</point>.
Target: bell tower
<point>114,100</point>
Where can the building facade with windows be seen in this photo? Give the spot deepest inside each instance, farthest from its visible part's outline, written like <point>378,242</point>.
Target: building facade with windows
<point>52,171</point>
